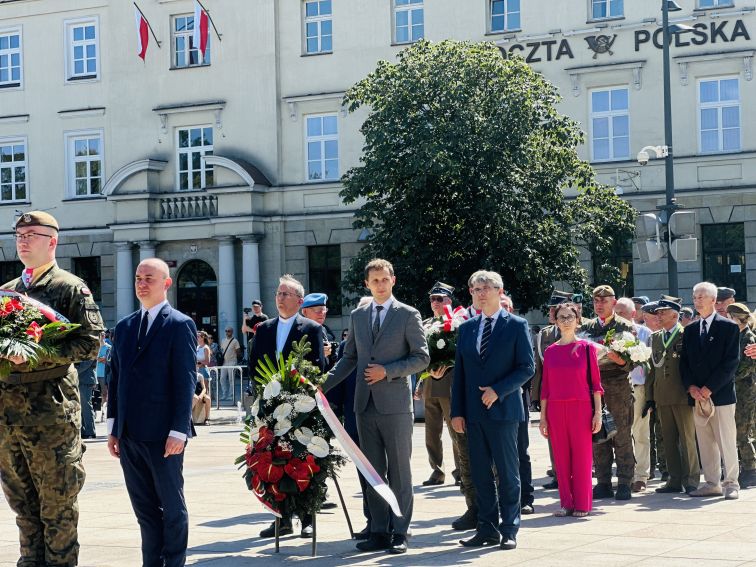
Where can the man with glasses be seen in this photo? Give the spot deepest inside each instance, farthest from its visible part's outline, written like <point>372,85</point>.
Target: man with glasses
<point>276,336</point>
<point>41,451</point>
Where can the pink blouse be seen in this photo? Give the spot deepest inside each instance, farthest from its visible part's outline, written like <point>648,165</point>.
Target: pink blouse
<point>565,375</point>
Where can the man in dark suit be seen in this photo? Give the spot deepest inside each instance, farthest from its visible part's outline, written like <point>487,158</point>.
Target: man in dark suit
<point>494,360</point>
<point>386,344</point>
<point>276,336</point>
<point>148,426</point>
<point>710,356</point>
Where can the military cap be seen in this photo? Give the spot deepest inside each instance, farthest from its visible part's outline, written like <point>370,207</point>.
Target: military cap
<point>37,218</point>
<point>667,304</point>
<point>440,288</point>
<point>603,291</point>
<point>738,309</point>
<point>687,312</point>
<point>577,298</point>
<point>640,299</point>
<point>314,300</point>
<point>671,298</point>
<point>558,297</point>
<point>650,307</point>
<point>257,302</point>
<point>725,293</point>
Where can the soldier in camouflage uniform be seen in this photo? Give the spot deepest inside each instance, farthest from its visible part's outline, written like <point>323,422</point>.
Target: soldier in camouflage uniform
<point>618,396</point>
<point>40,415</point>
<point>745,392</point>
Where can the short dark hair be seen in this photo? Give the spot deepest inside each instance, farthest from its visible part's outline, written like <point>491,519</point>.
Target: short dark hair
<point>378,264</point>
<point>571,306</point>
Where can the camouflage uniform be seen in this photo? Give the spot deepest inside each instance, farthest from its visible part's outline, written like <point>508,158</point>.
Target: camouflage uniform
<point>745,408</point>
<point>40,417</point>
<point>618,396</point>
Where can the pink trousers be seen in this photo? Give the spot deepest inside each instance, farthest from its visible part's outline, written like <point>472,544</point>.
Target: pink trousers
<point>569,427</point>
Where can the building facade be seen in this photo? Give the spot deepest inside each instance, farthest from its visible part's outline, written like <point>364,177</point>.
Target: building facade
<point>227,166</point>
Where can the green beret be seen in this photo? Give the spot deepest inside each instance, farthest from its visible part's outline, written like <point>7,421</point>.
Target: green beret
<point>37,218</point>
<point>738,309</point>
<point>603,291</point>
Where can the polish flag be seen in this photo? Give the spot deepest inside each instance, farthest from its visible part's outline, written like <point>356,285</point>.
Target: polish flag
<point>201,28</point>
<point>143,36</point>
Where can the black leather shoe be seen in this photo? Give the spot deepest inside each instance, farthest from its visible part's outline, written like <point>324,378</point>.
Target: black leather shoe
<point>667,489</point>
<point>508,543</point>
<point>363,535</point>
<point>306,531</point>
<point>376,542</point>
<point>434,481</point>
<point>270,531</point>
<point>480,540</point>
<point>689,489</point>
<point>467,521</point>
<point>398,544</point>
<point>527,509</point>
<point>623,492</point>
<point>552,485</point>
<point>602,490</point>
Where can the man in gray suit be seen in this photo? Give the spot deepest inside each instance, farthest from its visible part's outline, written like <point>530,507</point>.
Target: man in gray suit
<point>386,343</point>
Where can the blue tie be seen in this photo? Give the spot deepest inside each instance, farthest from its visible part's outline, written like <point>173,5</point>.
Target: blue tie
<point>142,329</point>
<point>485,337</point>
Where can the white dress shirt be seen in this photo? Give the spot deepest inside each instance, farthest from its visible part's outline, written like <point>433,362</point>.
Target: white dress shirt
<point>709,320</point>
<point>638,374</point>
<point>282,331</point>
<point>493,323</point>
<point>386,306</point>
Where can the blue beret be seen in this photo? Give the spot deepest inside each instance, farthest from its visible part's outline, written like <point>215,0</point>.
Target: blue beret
<point>314,299</point>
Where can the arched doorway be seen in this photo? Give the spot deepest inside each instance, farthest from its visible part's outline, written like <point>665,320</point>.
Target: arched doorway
<point>197,295</point>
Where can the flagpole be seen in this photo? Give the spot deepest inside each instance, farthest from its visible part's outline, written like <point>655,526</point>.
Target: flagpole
<point>149,26</point>
<point>209,17</point>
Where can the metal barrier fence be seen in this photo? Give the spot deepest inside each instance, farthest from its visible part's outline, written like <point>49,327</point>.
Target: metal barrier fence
<point>237,384</point>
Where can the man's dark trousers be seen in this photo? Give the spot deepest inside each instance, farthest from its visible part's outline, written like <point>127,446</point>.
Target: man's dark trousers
<point>523,443</point>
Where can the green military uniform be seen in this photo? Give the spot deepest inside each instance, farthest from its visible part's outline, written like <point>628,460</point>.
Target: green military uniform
<point>40,418</point>
<point>745,408</point>
<point>664,387</point>
<point>618,396</point>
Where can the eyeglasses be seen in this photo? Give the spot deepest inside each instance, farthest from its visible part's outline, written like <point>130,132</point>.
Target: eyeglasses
<point>285,294</point>
<point>30,236</point>
<point>437,298</point>
<point>482,290</point>
<point>566,318</point>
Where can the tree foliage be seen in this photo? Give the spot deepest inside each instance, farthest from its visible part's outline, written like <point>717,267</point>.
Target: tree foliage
<point>464,165</point>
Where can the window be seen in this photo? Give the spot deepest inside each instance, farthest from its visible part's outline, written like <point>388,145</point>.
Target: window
<point>713,3</point>
<point>409,21</point>
<point>88,269</point>
<point>10,270</point>
<point>185,53</point>
<point>13,170</point>
<point>83,50</point>
<point>724,258</point>
<point>193,143</point>
<point>10,59</point>
<point>84,151</point>
<point>601,9</point>
<point>610,129</point>
<point>719,115</point>
<point>505,15</point>
<point>324,264</point>
<point>318,26</point>
<point>322,147</point>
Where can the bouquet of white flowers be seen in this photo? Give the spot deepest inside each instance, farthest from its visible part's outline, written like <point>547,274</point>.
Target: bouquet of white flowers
<point>441,335</point>
<point>627,345</point>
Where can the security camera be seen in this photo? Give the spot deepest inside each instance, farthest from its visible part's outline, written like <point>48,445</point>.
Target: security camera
<point>643,157</point>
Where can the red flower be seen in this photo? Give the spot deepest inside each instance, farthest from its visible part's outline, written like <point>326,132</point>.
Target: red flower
<point>265,439</point>
<point>264,467</point>
<point>257,484</point>
<point>310,462</point>
<point>294,372</point>
<point>302,380</point>
<point>277,494</point>
<point>300,472</point>
<point>280,453</point>
<point>35,331</point>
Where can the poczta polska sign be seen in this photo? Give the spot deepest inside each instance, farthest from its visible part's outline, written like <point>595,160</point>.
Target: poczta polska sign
<point>718,33</point>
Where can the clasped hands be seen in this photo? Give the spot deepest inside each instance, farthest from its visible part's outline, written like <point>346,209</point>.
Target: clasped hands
<point>697,393</point>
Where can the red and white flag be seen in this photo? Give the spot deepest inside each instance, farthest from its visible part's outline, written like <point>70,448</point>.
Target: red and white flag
<point>201,28</point>
<point>143,33</point>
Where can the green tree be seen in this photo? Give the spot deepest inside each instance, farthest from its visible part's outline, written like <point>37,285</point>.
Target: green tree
<point>464,165</point>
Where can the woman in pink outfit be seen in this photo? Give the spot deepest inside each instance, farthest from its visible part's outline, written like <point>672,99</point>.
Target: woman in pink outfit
<point>568,417</point>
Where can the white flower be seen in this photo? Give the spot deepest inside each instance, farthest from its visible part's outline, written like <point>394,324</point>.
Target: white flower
<point>282,426</point>
<point>282,411</point>
<point>256,406</point>
<point>255,431</point>
<point>640,353</point>
<point>304,404</point>
<point>303,435</point>
<point>272,389</point>
<point>627,336</point>
<point>441,343</point>
<point>318,447</point>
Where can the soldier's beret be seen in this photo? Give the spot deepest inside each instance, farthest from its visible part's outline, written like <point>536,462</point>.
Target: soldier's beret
<point>650,307</point>
<point>667,304</point>
<point>603,291</point>
<point>558,297</point>
<point>440,288</point>
<point>725,293</point>
<point>314,300</point>
<point>738,309</point>
<point>257,302</point>
<point>37,218</point>
<point>687,312</point>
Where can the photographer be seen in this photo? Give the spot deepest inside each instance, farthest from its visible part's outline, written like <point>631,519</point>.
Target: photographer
<point>253,317</point>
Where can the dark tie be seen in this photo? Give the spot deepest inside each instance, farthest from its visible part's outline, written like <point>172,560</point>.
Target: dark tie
<point>377,321</point>
<point>142,329</point>
<point>667,334</point>
<point>704,333</point>
<point>485,337</point>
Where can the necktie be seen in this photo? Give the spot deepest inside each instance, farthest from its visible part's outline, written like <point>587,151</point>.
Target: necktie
<point>142,329</point>
<point>377,320</point>
<point>667,334</point>
<point>26,276</point>
<point>704,332</point>
<point>485,337</point>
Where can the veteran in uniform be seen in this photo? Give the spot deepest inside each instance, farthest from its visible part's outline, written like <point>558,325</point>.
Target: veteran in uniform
<point>40,415</point>
<point>667,397</point>
<point>745,393</point>
<point>618,396</point>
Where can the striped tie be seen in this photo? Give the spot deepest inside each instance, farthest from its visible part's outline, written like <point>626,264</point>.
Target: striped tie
<point>485,337</point>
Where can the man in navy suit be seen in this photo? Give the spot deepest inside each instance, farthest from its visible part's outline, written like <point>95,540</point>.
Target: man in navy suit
<point>494,360</point>
<point>276,336</point>
<point>709,359</point>
<point>149,413</point>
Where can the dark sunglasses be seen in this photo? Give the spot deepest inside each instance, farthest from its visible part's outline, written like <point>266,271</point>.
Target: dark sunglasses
<point>437,298</point>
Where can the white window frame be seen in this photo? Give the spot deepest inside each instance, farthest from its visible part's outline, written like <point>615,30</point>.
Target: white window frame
<point>507,14</point>
<point>609,114</point>
<point>719,105</point>
<point>189,37</point>
<point>322,139</point>
<point>14,141</point>
<point>68,25</point>
<point>190,150</point>
<point>318,21</point>
<point>713,4</point>
<point>71,160</point>
<point>409,8</point>
<point>608,16</point>
<point>10,84</point>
